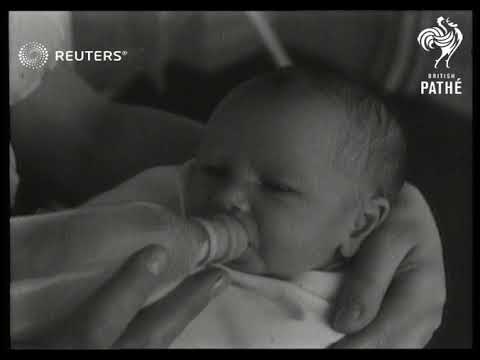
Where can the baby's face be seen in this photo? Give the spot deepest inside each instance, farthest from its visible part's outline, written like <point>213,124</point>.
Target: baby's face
<point>274,162</point>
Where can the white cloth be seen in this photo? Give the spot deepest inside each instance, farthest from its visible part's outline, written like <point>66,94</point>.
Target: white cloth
<point>261,312</point>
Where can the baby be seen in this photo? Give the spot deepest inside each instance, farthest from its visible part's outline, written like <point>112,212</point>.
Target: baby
<point>317,162</point>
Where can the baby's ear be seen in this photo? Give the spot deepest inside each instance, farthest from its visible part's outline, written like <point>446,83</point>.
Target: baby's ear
<point>372,214</point>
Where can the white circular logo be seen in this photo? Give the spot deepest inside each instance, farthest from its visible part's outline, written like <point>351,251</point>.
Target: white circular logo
<point>33,55</point>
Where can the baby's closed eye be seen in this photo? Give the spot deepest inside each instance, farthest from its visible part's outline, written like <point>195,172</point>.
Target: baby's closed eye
<point>277,186</point>
<point>268,185</point>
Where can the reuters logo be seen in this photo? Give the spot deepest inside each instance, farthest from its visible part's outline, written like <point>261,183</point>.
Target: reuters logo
<point>33,55</point>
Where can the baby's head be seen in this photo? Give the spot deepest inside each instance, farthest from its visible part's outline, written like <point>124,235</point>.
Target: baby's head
<point>315,160</point>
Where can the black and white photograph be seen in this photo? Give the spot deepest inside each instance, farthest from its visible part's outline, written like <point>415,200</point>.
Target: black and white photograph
<point>241,179</point>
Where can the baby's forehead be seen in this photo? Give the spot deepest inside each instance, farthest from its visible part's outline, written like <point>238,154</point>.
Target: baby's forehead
<point>285,134</point>
<point>284,114</point>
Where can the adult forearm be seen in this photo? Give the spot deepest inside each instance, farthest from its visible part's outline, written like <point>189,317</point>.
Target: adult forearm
<point>130,139</point>
<point>73,143</point>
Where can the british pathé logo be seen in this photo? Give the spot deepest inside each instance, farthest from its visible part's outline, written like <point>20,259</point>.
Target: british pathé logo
<point>441,84</point>
<point>447,37</point>
<point>444,39</point>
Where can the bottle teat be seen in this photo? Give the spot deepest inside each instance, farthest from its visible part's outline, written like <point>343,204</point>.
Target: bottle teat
<point>228,238</point>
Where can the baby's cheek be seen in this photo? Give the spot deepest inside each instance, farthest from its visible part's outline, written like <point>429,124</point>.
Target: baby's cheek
<point>286,241</point>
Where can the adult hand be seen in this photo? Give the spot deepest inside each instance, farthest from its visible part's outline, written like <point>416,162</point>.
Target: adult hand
<point>394,291</point>
<point>91,239</point>
<point>113,316</point>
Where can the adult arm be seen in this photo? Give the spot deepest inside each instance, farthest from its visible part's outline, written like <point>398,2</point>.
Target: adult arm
<point>75,143</point>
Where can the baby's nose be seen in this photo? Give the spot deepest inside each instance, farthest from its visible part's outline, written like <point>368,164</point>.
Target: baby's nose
<point>233,198</point>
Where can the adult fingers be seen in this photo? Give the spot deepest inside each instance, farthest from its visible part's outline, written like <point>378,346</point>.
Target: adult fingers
<point>159,324</point>
<point>106,314</point>
<point>408,317</point>
<point>408,240</point>
<point>367,280</point>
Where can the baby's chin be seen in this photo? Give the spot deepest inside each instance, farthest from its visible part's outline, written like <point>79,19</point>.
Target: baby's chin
<point>250,262</point>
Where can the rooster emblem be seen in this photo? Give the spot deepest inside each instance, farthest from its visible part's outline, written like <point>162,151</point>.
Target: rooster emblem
<point>447,40</point>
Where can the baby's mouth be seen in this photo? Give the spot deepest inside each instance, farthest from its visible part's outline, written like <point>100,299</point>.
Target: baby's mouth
<point>250,262</point>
